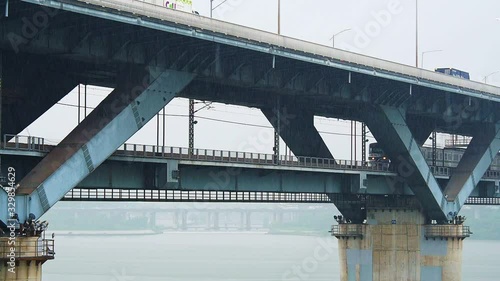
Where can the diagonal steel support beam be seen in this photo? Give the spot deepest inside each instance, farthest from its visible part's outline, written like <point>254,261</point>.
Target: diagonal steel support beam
<point>389,126</point>
<point>475,161</point>
<point>139,96</point>
<point>297,130</point>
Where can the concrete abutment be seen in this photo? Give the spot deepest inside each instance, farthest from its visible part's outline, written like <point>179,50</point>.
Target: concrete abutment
<point>398,245</point>
<point>22,258</point>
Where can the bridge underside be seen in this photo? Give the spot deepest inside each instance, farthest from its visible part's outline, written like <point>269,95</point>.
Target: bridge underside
<point>70,48</point>
<point>85,49</point>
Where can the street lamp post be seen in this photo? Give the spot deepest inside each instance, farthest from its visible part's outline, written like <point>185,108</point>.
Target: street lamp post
<point>434,133</point>
<point>279,17</point>
<point>333,37</point>
<point>426,52</point>
<point>212,8</point>
<point>416,33</point>
<point>353,123</point>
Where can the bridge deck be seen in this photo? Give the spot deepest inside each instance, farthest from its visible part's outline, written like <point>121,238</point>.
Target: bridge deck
<point>156,17</point>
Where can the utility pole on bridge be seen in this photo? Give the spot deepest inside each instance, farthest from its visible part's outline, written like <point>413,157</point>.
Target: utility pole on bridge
<point>276,148</point>
<point>191,127</point>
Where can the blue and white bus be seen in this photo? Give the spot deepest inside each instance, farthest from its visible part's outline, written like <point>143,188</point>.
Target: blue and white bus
<point>454,72</point>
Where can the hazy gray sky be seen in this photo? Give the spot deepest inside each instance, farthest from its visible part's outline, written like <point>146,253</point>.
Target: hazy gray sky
<point>466,31</point>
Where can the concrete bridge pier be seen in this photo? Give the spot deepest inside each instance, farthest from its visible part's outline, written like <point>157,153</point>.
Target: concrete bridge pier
<point>242,220</point>
<point>248,220</point>
<point>184,217</point>
<point>213,220</point>
<point>151,220</point>
<point>278,217</point>
<point>180,219</point>
<point>398,245</point>
<point>22,259</point>
<point>215,215</point>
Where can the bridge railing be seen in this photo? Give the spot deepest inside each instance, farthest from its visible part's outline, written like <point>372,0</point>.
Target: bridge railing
<point>447,231</point>
<point>162,195</point>
<point>19,142</point>
<point>474,200</point>
<point>462,142</point>
<point>347,231</point>
<point>28,248</point>
<point>31,143</point>
<point>212,155</point>
<point>448,171</point>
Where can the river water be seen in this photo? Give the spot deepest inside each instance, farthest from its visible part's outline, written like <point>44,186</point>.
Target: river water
<point>222,256</point>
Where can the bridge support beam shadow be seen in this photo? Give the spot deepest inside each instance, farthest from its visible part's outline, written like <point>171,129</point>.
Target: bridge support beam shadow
<point>398,245</point>
<point>296,128</point>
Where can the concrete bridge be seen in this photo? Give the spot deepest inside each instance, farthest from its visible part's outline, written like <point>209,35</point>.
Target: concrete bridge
<point>151,55</point>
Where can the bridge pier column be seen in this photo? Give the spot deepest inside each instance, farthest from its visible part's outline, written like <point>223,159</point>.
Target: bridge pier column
<point>242,220</point>
<point>397,245</point>
<point>184,216</point>
<point>152,220</point>
<point>278,217</point>
<point>216,219</point>
<point>248,216</point>
<point>24,261</point>
<point>175,216</point>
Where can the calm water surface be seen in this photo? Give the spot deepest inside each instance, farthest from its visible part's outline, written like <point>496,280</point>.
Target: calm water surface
<point>222,256</point>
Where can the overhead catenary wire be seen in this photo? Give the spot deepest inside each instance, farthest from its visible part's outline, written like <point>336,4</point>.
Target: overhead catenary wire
<point>225,121</point>
<point>321,120</point>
